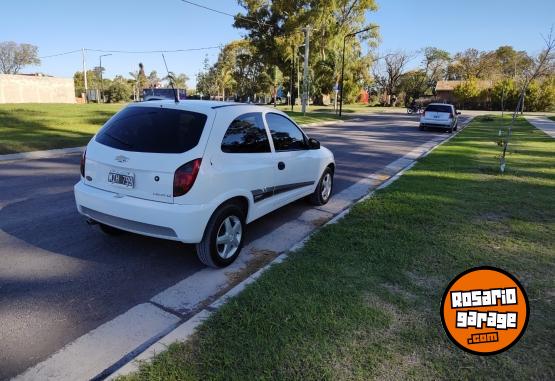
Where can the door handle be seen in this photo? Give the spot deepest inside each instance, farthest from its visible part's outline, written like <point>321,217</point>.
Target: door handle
<point>281,165</point>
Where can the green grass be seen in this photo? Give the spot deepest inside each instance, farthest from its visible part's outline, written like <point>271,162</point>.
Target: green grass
<point>312,117</point>
<point>552,118</point>
<point>31,127</point>
<point>361,300</point>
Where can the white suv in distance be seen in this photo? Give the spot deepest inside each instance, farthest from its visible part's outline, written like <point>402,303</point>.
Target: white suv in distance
<point>440,115</point>
<point>198,172</point>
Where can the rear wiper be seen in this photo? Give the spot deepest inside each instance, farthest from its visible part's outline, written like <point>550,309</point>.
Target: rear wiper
<point>119,140</point>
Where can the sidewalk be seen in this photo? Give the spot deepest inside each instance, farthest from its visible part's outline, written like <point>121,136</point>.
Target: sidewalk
<point>542,123</point>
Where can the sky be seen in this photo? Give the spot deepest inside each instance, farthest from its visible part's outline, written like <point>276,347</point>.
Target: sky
<point>58,26</point>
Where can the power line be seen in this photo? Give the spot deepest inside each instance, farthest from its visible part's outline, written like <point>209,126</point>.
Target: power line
<point>227,14</point>
<point>152,51</point>
<point>61,54</point>
<point>133,51</point>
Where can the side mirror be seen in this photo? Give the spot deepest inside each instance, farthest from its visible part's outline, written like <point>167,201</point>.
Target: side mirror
<point>313,143</point>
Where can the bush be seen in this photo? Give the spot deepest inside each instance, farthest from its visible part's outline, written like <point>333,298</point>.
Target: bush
<point>118,91</point>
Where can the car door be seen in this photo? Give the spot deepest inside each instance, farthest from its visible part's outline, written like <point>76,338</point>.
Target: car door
<point>296,166</point>
<point>245,161</point>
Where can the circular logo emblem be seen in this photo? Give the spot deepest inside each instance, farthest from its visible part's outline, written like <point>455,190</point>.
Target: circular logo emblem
<point>485,310</point>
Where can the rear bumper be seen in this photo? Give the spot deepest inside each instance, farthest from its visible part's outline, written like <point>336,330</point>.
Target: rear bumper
<point>185,223</point>
<point>436,123</point>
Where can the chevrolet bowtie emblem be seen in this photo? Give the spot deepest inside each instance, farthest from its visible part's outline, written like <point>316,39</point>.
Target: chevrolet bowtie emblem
<point>122,159</point>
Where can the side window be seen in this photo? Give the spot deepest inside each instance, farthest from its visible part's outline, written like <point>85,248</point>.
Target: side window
<point>286,136</point>
<point>246,134</point>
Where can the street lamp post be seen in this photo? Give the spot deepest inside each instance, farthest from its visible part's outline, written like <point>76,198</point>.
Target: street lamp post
<point>101,82</point>
<point>343,64</point>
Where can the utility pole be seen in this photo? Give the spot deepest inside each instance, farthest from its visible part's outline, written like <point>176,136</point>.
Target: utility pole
<point>101,81</point>
<point>84,73</point>
<point>292,97</point>
<point>305,68</point>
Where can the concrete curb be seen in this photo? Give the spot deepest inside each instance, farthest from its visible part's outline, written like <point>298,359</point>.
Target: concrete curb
<point>41,154</point>
<point>184,331</point>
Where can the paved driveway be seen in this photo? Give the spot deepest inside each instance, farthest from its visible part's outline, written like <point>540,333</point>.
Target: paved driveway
<point>60,278</point>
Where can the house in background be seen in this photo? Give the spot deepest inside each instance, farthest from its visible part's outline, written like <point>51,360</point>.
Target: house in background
<point>36,88</point>
<point>444,89</point>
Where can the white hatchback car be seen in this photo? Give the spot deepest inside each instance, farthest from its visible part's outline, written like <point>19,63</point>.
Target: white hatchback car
<point>440,115</point>
<point>198,172</point>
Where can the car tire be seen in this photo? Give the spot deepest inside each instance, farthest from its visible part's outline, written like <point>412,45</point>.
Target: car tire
<point>421,128</point>
<point>225,218</point>
<point>322,193</point>
<point>110,230</point>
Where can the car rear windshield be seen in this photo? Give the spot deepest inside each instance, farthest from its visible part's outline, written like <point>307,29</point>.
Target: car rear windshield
<point>439,108</point>
<point>153,129</point>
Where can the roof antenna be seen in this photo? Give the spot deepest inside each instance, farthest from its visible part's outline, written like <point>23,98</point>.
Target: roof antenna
<point>171,78</point>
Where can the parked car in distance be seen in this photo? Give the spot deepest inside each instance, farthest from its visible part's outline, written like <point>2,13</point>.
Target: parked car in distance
<point>440,115</point>
<point>198,172</point>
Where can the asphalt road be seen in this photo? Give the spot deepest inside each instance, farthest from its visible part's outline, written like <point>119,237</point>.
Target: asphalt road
<point>60,278</point>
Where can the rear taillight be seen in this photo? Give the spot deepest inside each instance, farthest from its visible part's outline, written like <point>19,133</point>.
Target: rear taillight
<point>83,160</point>
<point>185,177</point>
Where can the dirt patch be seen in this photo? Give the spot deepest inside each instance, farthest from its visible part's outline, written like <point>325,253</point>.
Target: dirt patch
<point>491,216</point>
<point>320,221</point>
<point>259,258</point>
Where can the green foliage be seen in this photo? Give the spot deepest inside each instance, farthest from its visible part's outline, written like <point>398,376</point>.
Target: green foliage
<point>13,56</point>
<point>540,95</point>
<point>467,92</point>
<point>93,81</point>
<point>414,84</point>
<point>119,91</point>
<point>279,35</point>
<point>505,93</point>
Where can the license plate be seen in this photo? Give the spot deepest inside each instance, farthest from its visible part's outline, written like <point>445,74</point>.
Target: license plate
<point>126,180</point>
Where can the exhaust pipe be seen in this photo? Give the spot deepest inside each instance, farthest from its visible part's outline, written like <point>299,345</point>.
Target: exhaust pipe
<point>90,221</point>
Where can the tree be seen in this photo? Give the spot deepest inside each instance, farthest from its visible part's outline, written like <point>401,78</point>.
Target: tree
<point>543,65</point>
<point>153,80</point>
<point>472,64</point>
<point>388,74</point>
<point>414,84</point>
<point>119,90</point>
<point>278,33</point>
<point>435,65</point>
<point>178,81</point>
<point>142,80</point>
<point>93,80</point>
<point>181,80</point>
<point>13,56</point>
<point>467,92</point>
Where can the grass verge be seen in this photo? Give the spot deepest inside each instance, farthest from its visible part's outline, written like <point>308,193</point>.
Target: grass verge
<point>361,299</point>
<point>552,118</point>
<point>32,127</point>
